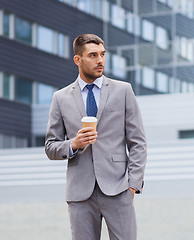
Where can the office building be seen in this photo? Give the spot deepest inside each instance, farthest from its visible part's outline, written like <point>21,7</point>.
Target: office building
<point>149,44</point>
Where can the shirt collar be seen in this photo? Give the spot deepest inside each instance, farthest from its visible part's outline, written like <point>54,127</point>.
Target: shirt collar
<point>97,82</point>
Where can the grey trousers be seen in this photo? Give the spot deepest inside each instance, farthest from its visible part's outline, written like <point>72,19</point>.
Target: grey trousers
<point>118,212</point>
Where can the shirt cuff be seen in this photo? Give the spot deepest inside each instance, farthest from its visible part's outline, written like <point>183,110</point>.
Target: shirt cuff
<point>71,152</point>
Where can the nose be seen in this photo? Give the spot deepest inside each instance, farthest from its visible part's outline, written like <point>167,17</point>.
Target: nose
<point>99,59</point>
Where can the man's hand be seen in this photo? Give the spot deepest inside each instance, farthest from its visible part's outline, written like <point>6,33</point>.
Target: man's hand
<point>133,191</point>
<point>84,136</point>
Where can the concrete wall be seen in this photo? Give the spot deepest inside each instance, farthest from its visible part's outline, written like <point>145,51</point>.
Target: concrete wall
<point>163,116</point>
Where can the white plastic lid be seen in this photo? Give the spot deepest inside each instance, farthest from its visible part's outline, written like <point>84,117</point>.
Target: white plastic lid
<point>89,119</point>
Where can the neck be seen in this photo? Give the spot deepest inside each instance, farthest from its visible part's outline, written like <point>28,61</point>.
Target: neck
<point>87,79</point>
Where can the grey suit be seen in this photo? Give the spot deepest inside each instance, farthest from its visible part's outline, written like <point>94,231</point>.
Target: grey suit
<point>106,161</point>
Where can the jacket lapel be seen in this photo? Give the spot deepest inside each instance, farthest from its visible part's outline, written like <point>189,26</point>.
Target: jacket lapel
<point>78,98</point>
<point>103,97</point>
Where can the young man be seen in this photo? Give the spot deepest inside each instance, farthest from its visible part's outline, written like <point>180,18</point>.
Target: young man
<point>101,177</point>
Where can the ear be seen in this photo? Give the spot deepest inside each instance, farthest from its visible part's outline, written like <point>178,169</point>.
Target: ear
<point>77,59</point>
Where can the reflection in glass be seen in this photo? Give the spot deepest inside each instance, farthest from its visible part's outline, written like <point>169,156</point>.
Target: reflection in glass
<point>162,82</point>
<point>97,8</point>
<point>107,63</point>
<point>85,5</point>
<point>23,90</point>
<point>23,30</point>
<point>6,85</point>
<point>130,22</point>
<point>161,38</point>
<point>119,66</point>
<point>6,22</point>
<point>147,30</point>
<point>44,93</point>
<point>118,16</point>
<point>61,45</point>
<point>148,79</point>
<point>137,26</point>
<point>45,39</point>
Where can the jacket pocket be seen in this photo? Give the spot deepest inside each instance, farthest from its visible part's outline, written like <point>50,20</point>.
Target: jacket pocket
<point>119,158</point>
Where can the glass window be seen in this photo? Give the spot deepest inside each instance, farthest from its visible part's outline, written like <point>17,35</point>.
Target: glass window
<point>23,90</point>
<point>44,93</point>
<point>170,3</point>
<point>23,30</point>
<point>45,39</point>
<point>190,87</point>
<point>186,134</point>
<point>85,5</point>
<point>148,79</point>
<point>161,38</point>
<point>162,1</point>
<point>119,66</point>
<point>147,30</point>
<point>184,86</point>
<point>7,141</point>
<point>162,82</point>
<point>6,22</point>
<point>183,43</point>
<point>130,22</point>
<point>190,50</point>
<point>6,85</point>
<point>171,85</point>
<point>97,8</point>
<point>61,45</point>
<point>21,142</point>
<point>118,16</point>
<point>40,141</point>
<point>137,26</point>
<point>107,63</point>
<point>70,2</point>
<point>177,85</point>
<point>106,10</point>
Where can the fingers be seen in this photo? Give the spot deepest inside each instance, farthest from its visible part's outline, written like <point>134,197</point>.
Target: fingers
<point>86,129</point>
<point>84,136</point>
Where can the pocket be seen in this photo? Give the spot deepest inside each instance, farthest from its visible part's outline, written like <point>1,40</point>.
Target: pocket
<point>119,158</point>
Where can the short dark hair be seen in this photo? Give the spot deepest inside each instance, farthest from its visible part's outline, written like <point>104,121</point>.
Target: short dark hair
<point>81,40</point>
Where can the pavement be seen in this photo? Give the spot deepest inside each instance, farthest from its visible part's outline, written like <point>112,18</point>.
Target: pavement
<point>157,219</point>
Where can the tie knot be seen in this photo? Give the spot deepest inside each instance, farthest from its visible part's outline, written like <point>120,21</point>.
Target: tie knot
<point>90,87</point>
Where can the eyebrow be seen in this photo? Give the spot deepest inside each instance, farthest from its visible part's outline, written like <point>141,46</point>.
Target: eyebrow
<point>96,52</point>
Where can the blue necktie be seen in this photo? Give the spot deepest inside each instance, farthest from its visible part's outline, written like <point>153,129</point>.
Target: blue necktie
<point>91,107</point>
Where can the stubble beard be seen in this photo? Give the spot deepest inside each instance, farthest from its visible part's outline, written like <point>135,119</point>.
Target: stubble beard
<point>91,77</point>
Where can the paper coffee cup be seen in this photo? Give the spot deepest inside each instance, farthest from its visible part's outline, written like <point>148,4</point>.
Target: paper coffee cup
<point>89,122</point>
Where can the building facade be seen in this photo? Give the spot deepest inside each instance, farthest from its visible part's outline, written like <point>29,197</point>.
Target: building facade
<point>149,44</point>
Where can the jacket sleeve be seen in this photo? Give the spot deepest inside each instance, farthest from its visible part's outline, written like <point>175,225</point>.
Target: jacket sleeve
<point>136,142</point>
<point>56,144</point>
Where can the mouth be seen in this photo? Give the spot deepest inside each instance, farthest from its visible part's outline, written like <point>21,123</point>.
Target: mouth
<point>99,68</point>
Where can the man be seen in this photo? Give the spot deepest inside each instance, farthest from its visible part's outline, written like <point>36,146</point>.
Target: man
<point>101,177</point>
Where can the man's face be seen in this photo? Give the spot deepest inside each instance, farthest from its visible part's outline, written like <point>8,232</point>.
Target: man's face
<point>91,63</point>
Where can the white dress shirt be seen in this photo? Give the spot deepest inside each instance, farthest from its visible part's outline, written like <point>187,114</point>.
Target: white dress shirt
<point>84,92</point>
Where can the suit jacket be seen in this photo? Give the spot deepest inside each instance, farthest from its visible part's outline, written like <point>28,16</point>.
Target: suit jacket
<point>117,159</point>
